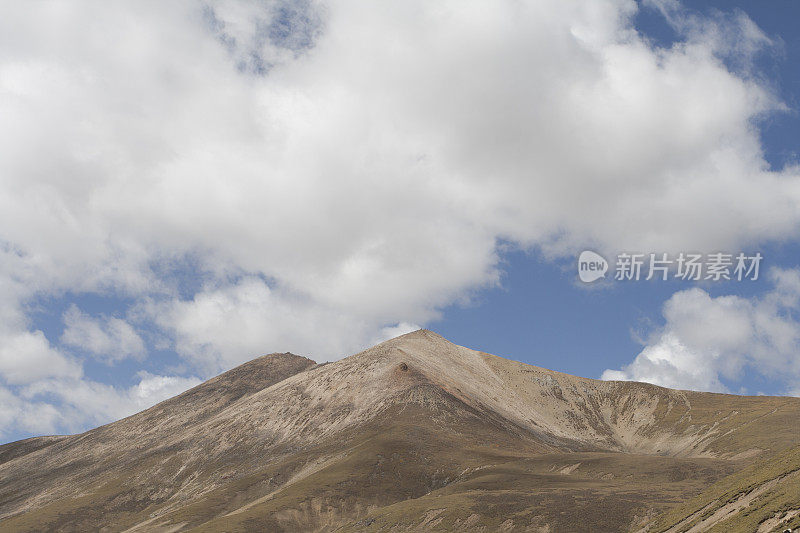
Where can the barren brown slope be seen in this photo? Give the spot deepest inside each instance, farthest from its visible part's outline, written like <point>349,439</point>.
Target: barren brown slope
<point>48,468</point>
<point>374,440</point>
<point>19,448</point>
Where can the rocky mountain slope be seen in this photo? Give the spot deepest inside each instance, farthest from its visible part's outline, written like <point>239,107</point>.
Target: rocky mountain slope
<point>413,434</point>
<point>761,498</point>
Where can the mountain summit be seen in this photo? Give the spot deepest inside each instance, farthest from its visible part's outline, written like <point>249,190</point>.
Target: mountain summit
<point>416,433</point>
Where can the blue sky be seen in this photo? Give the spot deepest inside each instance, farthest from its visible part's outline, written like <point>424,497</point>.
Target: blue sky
<point>231,179</point>
<point>542,316</point>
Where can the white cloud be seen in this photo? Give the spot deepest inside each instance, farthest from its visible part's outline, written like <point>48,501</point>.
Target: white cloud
<point>225,326</point>
<point>370,175</point>
<point>390,332</point>
<point>34,417</point>
<point>27,356</point>
<point>706,340</point>
<point>9,407</point>
<point>152,389</point>
<point>109,338</point>
<point>335,168</point>
<point>732,35</point>
<point>67,405</point>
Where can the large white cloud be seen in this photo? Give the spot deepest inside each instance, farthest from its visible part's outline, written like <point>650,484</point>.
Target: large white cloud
<point>333,169</point>
<point>707,340</point>
<point>222,327</point>
<point>219,328</point>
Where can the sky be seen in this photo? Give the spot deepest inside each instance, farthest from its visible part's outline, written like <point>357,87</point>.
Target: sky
<point>185,186</point>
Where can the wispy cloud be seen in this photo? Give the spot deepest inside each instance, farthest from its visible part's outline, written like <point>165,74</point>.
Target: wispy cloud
<point>109,339</point>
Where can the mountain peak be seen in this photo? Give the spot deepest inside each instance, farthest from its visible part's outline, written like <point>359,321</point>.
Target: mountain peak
<point>262,443</point>
<point>417,336</point>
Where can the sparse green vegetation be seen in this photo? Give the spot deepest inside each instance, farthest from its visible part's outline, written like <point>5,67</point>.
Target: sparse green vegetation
<point>781,472</point>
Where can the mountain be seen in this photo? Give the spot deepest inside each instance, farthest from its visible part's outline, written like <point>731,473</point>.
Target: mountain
<point>414,434</point>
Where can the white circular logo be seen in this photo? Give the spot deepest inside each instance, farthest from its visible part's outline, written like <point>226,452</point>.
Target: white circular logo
<point>591,266</point>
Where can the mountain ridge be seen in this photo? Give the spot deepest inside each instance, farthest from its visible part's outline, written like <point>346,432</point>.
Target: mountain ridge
<point>256,442</point>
